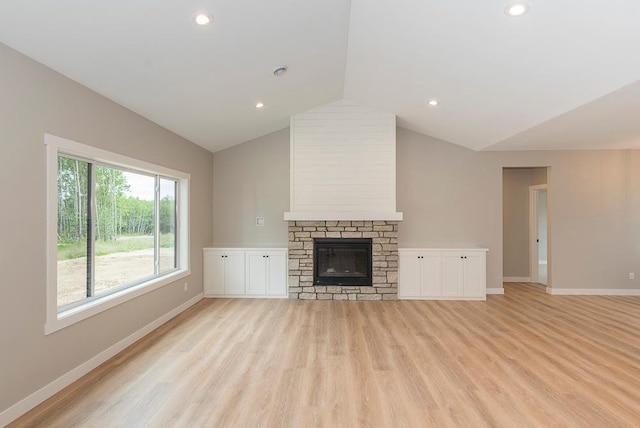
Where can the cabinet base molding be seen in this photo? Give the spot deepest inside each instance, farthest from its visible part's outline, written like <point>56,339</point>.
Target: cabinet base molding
<point>468,299</point>
<point>497,290</point>
<point>244,296</point>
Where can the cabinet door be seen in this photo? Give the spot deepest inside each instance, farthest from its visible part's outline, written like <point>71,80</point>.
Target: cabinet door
<point>256,276</point>
<point>214,267</point>
<point>234,277</point>
<point>452,274</point>
<point>409,274</point>
<point>475,275</point>
<point>431,276</point>
<point>277,273</point>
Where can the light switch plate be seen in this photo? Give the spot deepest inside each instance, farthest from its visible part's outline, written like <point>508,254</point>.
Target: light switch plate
<point>259,221</point>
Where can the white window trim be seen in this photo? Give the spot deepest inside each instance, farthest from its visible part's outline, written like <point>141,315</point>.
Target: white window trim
<point>58,320</point>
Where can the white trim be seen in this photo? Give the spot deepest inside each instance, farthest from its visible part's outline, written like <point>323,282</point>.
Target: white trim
<point>497,290</point>
<point>345,216</point>
<point>55,145</point>
<point>98,155</point>
<point>447,249</point>
<point>81,312</point>
<point>73,375</point>
<point>593,291</point>
<point>516,279</point>
<point>210,249</point>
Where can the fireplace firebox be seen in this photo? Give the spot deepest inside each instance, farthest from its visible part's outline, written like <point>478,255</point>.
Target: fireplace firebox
<point>342,261</point>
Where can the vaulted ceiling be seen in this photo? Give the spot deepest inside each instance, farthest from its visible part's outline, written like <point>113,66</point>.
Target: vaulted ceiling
<point>563,76</point>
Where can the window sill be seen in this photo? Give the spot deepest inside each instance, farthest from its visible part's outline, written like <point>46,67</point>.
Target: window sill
<point>82,312</point>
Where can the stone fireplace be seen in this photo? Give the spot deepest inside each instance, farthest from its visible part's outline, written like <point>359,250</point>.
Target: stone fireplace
<point>384,266</point>
<point>343,187</point>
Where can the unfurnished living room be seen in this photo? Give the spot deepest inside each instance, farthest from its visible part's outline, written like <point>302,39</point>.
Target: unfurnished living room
<point>320,213</point>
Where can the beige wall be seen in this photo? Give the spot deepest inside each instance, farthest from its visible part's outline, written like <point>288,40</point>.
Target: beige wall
<point>34,101</point>
<point>452,196</point>
<point>515,215</point>
<point>538,176</point>
<point>252,180</point>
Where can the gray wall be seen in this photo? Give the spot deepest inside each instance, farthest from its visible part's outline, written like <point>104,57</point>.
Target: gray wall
<point>452,196</point>
<point>515,215</point>
<point>35,100</point>
<point>252,180</point>
<point>538,176</point>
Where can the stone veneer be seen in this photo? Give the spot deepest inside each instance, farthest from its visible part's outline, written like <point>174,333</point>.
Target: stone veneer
<point>384,236</point>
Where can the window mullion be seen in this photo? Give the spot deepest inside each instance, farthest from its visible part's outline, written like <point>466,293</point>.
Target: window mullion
<point>176,227</point>
<point>156,227</point>
<point>91,230</point>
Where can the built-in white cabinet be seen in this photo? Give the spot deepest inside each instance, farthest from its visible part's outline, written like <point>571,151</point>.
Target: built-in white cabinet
<point>245,272</point>
<point>223,272</point>
<point>266,272</point>
<point>442,273</point>
<point>419,274</point>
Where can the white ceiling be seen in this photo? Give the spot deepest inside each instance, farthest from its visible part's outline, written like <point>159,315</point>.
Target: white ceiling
<point>565,75</point>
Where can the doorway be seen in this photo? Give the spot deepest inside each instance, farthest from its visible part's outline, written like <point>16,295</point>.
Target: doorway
<point>526,230</point>
<point>538,234</point>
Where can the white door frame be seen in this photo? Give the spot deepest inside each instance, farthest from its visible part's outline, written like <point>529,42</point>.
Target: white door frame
<point>533,231</point>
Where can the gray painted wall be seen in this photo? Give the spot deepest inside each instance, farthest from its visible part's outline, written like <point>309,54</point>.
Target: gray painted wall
<point>538,176</point>
<point>515,209</point>
<point>36,100</point>
<point>452,196</point>
<point>252,180</point>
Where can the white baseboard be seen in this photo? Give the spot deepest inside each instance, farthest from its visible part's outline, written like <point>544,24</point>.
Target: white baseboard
<point>592,292</point>
<point>497,290</point>
<point>516,279</point>
<point>28,403</point>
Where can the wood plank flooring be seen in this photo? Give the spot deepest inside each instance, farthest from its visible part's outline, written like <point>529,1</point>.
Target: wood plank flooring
<point>525,359</point>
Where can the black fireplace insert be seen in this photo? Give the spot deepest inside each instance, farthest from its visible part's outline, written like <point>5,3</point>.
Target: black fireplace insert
<point>342,261</point>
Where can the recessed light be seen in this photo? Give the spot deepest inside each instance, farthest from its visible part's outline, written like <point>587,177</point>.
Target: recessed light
<point>433,103</point>
<point>203,18</point>
<point>279,71</point>
<point>516,9</point>
<point>259,105</point>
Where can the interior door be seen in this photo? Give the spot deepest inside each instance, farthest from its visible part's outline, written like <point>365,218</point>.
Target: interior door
<point>539,234</point>
<point>541,226</point>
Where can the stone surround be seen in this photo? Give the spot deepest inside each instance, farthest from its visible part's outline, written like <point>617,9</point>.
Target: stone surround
<point>384,235</point>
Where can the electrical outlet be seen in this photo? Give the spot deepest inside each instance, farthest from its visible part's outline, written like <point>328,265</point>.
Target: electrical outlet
<point>186,286</point>
<point>632,275</point>
<point>259,221</point>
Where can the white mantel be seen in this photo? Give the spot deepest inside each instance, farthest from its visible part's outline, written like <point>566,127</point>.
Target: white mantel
<point>343,164</point>
<point>342,216</point>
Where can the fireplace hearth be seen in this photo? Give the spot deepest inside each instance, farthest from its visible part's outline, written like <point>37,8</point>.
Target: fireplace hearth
<point>342,261</point>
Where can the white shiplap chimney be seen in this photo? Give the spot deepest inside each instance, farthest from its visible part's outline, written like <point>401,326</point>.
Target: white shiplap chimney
<point>343,164</point>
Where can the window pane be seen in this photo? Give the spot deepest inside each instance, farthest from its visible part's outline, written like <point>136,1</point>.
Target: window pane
<point>167,225</point>
<point>73,203</point>
<point>124,228</point>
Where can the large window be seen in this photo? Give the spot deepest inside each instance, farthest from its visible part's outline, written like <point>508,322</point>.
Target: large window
<point>118,229</point>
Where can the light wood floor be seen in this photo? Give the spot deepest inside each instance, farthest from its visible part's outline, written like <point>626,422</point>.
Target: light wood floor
<point>522,359</point>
